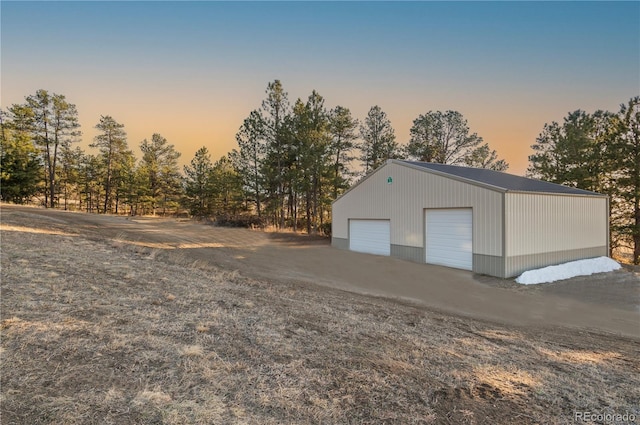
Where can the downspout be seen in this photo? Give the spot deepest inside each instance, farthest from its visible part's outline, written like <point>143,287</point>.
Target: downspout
<point>608,221</point>
<point>503,272</point>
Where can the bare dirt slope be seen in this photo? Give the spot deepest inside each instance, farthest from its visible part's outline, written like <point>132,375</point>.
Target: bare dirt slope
<point>609,302</point>
<point>100,331</point>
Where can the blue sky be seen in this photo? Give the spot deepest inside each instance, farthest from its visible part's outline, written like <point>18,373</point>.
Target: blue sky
<point>193,71</point>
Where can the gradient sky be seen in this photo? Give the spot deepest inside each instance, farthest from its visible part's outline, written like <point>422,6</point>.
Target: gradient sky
<point>192,71</point>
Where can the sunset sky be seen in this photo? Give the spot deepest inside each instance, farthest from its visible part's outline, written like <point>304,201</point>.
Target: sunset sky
<point>192,71</point>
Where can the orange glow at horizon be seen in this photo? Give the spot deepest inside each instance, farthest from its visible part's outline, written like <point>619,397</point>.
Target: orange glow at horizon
<point>509,132</point>
<point>193,71</point>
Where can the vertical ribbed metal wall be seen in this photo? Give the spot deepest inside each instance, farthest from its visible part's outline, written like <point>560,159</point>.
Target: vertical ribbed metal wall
<point>536,230</point>
<point>537,223</point>
<point>405,199</point>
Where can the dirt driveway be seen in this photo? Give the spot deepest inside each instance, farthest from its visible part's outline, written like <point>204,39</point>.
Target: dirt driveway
<point>607,302</point>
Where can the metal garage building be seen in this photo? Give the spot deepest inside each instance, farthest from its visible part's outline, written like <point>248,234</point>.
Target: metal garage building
<point>474,219</point>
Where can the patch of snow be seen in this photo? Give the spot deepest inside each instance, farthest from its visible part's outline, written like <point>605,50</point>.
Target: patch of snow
<point>568,270</point>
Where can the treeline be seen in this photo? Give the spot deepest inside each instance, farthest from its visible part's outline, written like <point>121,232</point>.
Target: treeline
<point>39,161</point>
<point>598,152</point>
<point>292,161</point>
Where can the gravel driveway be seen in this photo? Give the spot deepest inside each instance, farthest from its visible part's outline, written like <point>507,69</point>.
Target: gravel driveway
<point>606,302</point>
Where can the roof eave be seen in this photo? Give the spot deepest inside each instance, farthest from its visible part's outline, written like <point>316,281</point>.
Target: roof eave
<point>583,195</point>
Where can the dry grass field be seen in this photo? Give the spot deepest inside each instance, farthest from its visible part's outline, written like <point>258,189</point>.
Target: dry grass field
<point>98,331</point>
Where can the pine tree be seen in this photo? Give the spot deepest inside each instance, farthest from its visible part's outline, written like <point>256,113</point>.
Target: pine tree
<point>572,153</point>
<point>160,167</point>
<point>55,123</point>
<point>197,183</point>
<point>225,188</point>
<point>130,184</point>
<point>311,129</point>
<point>112,143</point>
<point>378,140</point>
<point>20,175</point>
<point>343,129</point>
<point>484,157</point>
<point>274,111</point>
<point>70,165</point>
<point>91,171</point>
<point>249,160</point>
<point>625,152</point>
<point>444,138</point>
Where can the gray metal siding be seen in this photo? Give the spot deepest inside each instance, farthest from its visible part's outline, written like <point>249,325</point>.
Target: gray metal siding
<point>340,243</point>
<point>491,265</point>
<point>515,266</point>
<point>411,253</point>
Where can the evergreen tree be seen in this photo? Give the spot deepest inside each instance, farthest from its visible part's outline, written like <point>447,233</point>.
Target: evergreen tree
<point>197,183</point>
<point>484,157</point>
<point>55,122</point>
<point>225,188</point>
<point>162,175</point>
<point>20,175</point>
<point>572,153</point>
<point>112,144</point>
<point>125,165</point>
<point>274,111</point>
<point>444,138</point>
<point>130,184</point>
<point>249,160</point>
<point>624,149</point>
<point>70,166</point>
<point>378,140</point>
<point>319,151</point>
<point>91,171</point>
<point>299,170</point>
<point>343,130</point>
<point>310,143</point>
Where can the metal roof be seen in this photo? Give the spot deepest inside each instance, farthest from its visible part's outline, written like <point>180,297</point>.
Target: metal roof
<point>500,180</point>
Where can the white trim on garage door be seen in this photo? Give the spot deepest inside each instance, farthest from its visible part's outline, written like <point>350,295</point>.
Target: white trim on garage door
<point>449,237</point>
<point>370,236</point>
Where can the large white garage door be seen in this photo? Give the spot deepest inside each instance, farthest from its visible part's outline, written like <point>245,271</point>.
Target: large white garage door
<point>449,237</point>
<point>370,236</point>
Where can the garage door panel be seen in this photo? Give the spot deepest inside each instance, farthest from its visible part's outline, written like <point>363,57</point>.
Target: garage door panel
<point>370,236</point>
<point>449,237</point>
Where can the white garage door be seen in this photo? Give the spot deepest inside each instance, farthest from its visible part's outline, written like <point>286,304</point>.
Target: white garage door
<point>370,236</point>
<point>449,238</point>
